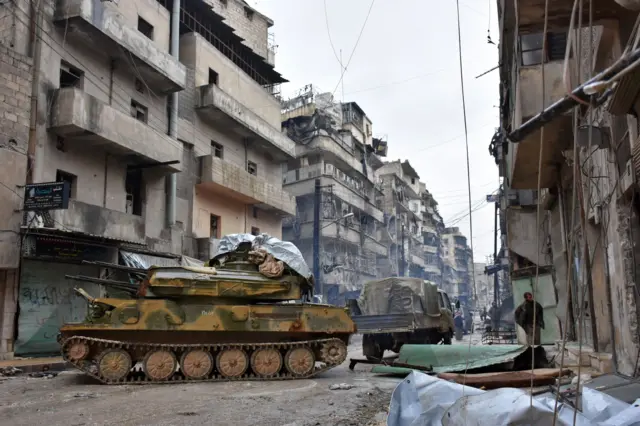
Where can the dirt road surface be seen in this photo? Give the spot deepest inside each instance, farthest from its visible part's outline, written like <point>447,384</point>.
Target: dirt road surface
<point>73,399</point>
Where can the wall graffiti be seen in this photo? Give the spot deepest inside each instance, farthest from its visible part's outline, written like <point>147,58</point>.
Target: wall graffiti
<point>47,300</point>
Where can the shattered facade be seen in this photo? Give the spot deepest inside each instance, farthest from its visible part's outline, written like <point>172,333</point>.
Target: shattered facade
<point>580,252</point>
<point>168,135</point>
<point>334,144</point>
<point>457,265</point>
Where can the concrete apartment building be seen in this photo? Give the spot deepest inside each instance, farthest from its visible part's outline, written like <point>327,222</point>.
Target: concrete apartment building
<point>585,258</point>
<point>432,228</point>
<point>457,257</point>
<point>334,147</point>
<point>164,126</point>
<point>401,203</point>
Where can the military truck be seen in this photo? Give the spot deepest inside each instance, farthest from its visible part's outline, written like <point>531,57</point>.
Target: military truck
<point>394,311</point>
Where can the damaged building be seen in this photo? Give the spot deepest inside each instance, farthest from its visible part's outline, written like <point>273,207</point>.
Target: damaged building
<point>571,222</point>
<point>457,265</point>
<point>333,169</point>
<point>158,120</point>
<point>401,203</point>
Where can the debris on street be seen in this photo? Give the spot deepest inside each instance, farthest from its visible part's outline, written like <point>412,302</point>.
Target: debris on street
<point>461,358</point>
<point>511,379</point>
<point>9,371</point>
<point>427,400</point>
<point>341,386</point>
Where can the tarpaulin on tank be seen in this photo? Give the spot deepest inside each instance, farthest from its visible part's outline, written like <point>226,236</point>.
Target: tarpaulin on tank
<point>281,250</point>
<point>396,294</point>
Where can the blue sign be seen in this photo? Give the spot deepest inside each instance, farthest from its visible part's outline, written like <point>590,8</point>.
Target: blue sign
<point>46,196</point>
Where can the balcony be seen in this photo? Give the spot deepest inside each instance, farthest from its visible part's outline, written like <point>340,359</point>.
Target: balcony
<point>99,25</point>
<point>430,249</point>
<point>338,231</point>
<point>79,117</point>
<point>417,260</point>
<point>522,158</point>
<point>336,151</point>
<point>226,112</point>
<point>99,221</point>
<point>531,13</point>
<point>301,182</point>
<point>224,177</point>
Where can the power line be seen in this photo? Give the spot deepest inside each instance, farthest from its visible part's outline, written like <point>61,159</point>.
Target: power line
<point>354,47</point>
<point>326,21</point>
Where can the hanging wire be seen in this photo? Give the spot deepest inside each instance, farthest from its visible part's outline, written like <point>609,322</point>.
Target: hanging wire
<point>466,142</point>
<point>534,290</point>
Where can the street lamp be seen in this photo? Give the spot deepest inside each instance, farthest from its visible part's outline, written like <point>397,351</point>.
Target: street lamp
<point>346,216</point>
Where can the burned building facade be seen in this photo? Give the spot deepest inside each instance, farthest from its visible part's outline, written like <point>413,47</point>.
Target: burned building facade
<point>333,171</point>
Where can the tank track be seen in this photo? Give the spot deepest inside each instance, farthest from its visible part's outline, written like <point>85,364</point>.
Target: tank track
<point>138,377</point>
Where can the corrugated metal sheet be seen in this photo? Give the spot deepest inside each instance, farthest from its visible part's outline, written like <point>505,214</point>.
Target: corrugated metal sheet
<point>636,159</point>
<point>453,358</point>
<point>383,323</point>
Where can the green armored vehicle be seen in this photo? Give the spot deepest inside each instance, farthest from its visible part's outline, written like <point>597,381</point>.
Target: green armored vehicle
<point>229,320</point>
<point>398,310</point>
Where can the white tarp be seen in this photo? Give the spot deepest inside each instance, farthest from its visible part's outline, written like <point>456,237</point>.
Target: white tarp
<point>281,250</point>
<point>422,400</point>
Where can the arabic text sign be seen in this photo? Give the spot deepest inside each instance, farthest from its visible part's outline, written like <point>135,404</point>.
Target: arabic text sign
<point>46,196</point>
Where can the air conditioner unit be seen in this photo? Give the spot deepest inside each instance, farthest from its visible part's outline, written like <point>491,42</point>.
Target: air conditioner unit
<point>627,180</point>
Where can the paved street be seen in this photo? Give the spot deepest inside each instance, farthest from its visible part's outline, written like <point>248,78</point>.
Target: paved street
<point>72,399</point>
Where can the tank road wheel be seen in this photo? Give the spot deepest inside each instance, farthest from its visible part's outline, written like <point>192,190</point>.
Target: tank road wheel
<point>196,364</point>
<point>300,361</point>
<point>114,365</point>
<point>159,364</point>
<point>334,352</point>
<point>266,362</point>
<point>232,362</point>
<point>77,350</point>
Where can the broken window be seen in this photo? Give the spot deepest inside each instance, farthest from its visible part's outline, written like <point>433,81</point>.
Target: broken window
<point>70,76</point>
<point>214,226</point>
<point>71,179</point>
<point>413,181</point>
<point>252,168</point>
<point>139,85</point>
<point>213,77</point>
<point>139,111</point>
<point>255,212</point>
<point>134,190</point>
<point>255,231</point>
<point>145,28</point>
<point>531,48</point>
<point>217,150</point>
<point>248,13</point>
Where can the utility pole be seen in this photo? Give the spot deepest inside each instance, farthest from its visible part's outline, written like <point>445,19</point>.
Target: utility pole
<point>317,200</point>
<point>402,259</point>
<point>496,284</point>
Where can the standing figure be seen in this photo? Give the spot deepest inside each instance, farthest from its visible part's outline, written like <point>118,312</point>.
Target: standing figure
<point>524,318</point>
<point>483,314</point>
<point>494,314</point>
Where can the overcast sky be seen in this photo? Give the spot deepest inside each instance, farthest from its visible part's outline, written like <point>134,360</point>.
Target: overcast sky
<point>405,75</point>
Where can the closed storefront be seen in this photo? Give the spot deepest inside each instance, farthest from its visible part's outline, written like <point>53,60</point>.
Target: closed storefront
<point>46,298</point>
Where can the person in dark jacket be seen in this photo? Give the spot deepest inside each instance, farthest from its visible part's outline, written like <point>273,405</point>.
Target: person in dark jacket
<point>458,322</point>
<point>494,314</point>
<point>524,318</point>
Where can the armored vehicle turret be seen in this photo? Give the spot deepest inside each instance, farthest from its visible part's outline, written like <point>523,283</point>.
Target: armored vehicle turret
<point>243,316</point>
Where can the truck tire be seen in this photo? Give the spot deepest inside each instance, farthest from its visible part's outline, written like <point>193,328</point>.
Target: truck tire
<point>370,348</point>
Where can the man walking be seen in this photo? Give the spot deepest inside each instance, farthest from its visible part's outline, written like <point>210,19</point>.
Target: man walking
<point>524,318</point>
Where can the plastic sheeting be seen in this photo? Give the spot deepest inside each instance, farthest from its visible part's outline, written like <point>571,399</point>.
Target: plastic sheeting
<point>281,250</point>
<point>376,296</point>
<point>422,400</point>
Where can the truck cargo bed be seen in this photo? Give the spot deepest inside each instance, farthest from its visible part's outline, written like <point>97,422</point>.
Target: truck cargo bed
<point>388,323</point>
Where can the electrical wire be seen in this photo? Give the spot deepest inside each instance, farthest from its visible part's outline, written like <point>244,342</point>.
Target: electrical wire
<point>466,132</point>
<point>539,184</point>
<point>326,21</point>
<point>366,19</point>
